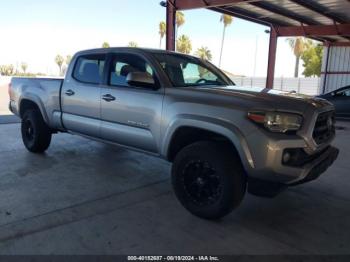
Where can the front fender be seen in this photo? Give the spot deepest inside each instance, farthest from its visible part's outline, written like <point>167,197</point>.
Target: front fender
<point>214,125</point>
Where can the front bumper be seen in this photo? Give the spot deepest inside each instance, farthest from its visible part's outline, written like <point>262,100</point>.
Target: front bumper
<point>319,165</point>
<point>310,171</point>
<point>271,167</point>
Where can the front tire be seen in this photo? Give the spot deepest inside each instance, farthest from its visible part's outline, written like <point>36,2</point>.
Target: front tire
<point>208,179</point>
<point>36,135</point>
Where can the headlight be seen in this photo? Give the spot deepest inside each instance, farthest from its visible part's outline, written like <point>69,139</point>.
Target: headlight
<point>278,122</point>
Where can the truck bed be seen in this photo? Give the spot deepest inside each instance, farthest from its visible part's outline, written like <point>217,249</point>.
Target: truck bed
<point>44,91</point>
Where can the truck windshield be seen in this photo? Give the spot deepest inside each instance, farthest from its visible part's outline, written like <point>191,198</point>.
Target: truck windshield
<point>187,71</point>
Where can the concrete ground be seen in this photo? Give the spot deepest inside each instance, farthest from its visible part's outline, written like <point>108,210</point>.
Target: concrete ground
<point>84,197</point>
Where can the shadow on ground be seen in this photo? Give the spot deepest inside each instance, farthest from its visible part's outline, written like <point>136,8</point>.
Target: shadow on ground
<point>9,119</point>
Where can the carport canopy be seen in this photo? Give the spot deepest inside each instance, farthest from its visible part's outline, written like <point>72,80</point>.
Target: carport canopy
<point>327,21</point>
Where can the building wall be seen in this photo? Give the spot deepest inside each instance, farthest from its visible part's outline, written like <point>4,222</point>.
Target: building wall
<point>338,68</point>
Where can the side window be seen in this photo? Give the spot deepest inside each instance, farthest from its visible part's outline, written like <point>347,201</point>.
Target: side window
<point>185,71</point>
<point>344,93</point>
<point>89,69</point>
<point>123,64</point>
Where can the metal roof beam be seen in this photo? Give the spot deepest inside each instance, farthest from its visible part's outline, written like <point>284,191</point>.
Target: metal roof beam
<point>192,4</point>
<point>277,10</point>
<point>284,12</point>
<point>250,16</point>
<point>342,44</point>
<point>227,12</point>
<point>320,10</point>
<point>232,12</point>
<point>314,30</point>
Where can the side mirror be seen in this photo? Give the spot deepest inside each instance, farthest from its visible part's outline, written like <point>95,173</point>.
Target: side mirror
<point>140,79</point>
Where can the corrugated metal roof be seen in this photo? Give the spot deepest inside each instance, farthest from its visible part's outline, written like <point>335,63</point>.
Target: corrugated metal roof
<point>292,13</point>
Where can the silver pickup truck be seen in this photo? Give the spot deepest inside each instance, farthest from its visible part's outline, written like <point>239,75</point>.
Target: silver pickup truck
<point>221,139</point>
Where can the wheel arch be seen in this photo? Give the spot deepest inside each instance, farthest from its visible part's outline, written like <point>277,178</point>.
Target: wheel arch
<point>32,102</point>
<point>198,128</point>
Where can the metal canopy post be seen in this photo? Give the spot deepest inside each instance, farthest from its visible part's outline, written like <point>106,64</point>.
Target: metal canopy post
<point>272,58</point>
<point>170,26</point>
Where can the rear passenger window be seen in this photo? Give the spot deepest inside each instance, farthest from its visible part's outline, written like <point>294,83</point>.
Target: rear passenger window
<point>89,69</point>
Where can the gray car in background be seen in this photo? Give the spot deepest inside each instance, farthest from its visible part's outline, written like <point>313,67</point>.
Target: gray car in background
<point>221,139</point>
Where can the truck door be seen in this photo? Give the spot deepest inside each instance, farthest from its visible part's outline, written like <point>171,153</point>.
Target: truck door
<point>81,96</point>
<point>130,115</point>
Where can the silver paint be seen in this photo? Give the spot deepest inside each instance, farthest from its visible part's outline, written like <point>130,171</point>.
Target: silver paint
<point>146,119</point>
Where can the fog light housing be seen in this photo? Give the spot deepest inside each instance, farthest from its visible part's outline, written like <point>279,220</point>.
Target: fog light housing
<point>286,157</point>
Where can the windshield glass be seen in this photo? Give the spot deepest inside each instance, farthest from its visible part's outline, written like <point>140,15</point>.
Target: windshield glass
<point>187,71</point>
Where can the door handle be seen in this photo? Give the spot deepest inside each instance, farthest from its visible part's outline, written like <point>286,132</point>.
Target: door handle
<point>69,92</point>
<point>108,98</point>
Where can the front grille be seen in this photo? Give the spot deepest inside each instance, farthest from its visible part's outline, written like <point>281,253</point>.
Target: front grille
<point>324,128</point>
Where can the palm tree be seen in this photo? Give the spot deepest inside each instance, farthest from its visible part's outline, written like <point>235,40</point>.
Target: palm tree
<point>132,44</point>
<point>162,31</point>
<point>298,46</point>
<point>24,67</point>
<point>183,44</point>
<point>105,45</point>
<point>7,70</point>
<point>179,21</point>
<point>59,61</point>
<point>226,20</point>
<point>204,53</point>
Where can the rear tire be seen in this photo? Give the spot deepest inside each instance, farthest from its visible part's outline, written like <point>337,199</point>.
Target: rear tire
<point>208,179</point>
<point>36,135</point>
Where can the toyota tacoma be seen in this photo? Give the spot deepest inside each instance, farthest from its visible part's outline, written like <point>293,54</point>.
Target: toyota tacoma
<point>221,139</point>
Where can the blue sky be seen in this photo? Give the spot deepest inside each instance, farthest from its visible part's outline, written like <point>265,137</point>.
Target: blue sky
<point>34,32</point>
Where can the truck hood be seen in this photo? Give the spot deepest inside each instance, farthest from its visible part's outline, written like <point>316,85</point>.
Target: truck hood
<point>272,99</point>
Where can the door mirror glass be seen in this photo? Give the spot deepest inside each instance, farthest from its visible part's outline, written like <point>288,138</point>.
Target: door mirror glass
<point>140,79</point>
